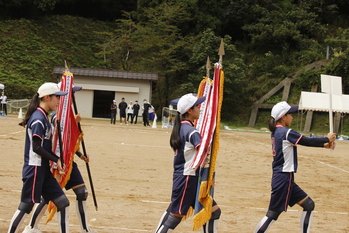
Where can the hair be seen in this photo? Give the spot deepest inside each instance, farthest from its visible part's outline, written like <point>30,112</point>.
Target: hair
<point>175,139</point>
<point>272,125</point>
<point>34,103</point>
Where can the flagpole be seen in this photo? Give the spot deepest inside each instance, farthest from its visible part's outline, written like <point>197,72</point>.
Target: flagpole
<point>84,151</point>
<point>58,121</point>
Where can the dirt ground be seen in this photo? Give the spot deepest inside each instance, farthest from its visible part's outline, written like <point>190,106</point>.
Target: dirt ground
<point>131,168</point>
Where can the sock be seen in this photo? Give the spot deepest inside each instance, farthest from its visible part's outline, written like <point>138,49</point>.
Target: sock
<point>37,215</point>
<point>306,221</point>
<point>16,221</point>
<point>212,225</point>
<point>63,221</point>
<point>264,224</point>
<point>170,224</point>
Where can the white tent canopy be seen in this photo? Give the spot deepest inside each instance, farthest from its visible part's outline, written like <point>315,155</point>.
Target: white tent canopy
<point>313,101</point>
<point>2,86</point>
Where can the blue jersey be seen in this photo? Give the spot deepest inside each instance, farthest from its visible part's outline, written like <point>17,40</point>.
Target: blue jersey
<point>38,125</point>
<point>191,140</point>
<point>284,142</point>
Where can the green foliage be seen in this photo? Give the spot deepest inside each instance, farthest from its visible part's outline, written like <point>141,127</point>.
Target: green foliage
<point>265,42</point>
<point>31,48</point>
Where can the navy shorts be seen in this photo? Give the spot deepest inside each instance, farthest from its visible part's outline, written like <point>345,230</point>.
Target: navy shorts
<point>75,177</point>
<point>285,192</point>
<point>38,181</point>
<point>122,114</point>
<point>183,193</point>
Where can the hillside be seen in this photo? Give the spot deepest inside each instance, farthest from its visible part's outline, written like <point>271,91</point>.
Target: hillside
<point>29,49</point>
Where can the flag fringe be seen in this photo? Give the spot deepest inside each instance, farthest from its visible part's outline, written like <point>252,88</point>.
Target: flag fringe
<point>205,197</point>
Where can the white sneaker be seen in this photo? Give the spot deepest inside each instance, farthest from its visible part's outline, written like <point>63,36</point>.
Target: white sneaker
<point>28,229</point>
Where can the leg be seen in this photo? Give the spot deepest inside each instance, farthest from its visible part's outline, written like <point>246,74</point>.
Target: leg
<point>144,120</point>
<point>136,117</point>
<point>24,208</point>
<point>169,224</point>
<point>163,218</point>
<point>36,217</point>
<point>308,207</point>
<point>267,221</point>
<point>62,204</point>
<point>212,225</point>
<point>81,196</point>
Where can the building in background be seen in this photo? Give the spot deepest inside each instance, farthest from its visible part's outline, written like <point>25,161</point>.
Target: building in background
<point>101,87</point>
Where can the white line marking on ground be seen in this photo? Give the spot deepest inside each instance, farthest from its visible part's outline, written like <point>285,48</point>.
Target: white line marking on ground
<point>98,227</point>
<point>6,135</point>
<point>329,165</point>
<point>126,144</point>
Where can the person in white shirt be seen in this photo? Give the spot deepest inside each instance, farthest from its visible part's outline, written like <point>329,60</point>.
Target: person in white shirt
<point>3,99</point>
<point>129,112</point>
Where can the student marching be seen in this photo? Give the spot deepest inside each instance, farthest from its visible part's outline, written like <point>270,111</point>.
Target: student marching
<point>285,192</point>
<point>185,141</point>
<point>38,180</point>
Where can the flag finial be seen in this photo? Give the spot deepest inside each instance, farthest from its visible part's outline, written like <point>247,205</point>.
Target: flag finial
<point>221,51</point>
<point>66,66</point>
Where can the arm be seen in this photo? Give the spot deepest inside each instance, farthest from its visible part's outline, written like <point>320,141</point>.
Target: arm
<point>83,157</point>
<point>319,142</point>
<point>37,148</point>
<point>315,142</point>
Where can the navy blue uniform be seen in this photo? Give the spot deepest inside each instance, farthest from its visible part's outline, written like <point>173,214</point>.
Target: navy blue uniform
<point>37,178</point>
<point>285,192</point>
<point>185,179</point>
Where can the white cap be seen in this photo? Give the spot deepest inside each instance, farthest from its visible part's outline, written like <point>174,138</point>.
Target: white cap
<point>282,108</point>
<point>114,100</point>
<point>187,101</point>
<point>50,89</point>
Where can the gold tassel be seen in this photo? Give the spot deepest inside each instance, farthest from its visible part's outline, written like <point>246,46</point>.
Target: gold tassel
<point>205,198</point>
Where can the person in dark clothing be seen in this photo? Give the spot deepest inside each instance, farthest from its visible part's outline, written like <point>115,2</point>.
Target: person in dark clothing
<point>136,108</point>
<point>145,108</point>
<point>113,112</point>
<point>122,107</point>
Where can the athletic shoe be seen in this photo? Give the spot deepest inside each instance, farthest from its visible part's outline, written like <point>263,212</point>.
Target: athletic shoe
<point>28,229</point>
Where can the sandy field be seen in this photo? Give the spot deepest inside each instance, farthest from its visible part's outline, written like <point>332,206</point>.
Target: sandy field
<point>131,168</point>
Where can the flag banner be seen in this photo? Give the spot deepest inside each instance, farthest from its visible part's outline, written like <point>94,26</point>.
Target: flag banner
<point>69,134</point>
<point>208,124</point>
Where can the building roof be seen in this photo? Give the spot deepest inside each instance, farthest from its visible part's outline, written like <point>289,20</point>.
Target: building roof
<point>58,70</point>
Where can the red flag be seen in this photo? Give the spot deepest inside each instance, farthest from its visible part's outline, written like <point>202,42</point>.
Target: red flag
<point>69,133</point>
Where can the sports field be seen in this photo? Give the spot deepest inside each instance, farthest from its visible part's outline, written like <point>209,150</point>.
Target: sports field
<point>132,174</point>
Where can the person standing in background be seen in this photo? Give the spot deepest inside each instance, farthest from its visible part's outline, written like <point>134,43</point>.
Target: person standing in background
<point>136,108</point>
<point>122,107</point>
<point>113,112</point>
<point>145,108</point>
<point>3,99</point>
<point>129,112</point>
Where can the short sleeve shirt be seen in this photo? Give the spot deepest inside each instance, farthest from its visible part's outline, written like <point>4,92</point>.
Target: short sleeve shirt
<point>284,142</point>
<point>191,140</point>
<point>38,125</point>
<point>122,106</point>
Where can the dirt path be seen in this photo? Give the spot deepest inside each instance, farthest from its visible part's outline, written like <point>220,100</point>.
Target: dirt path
<point>132,171</point>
